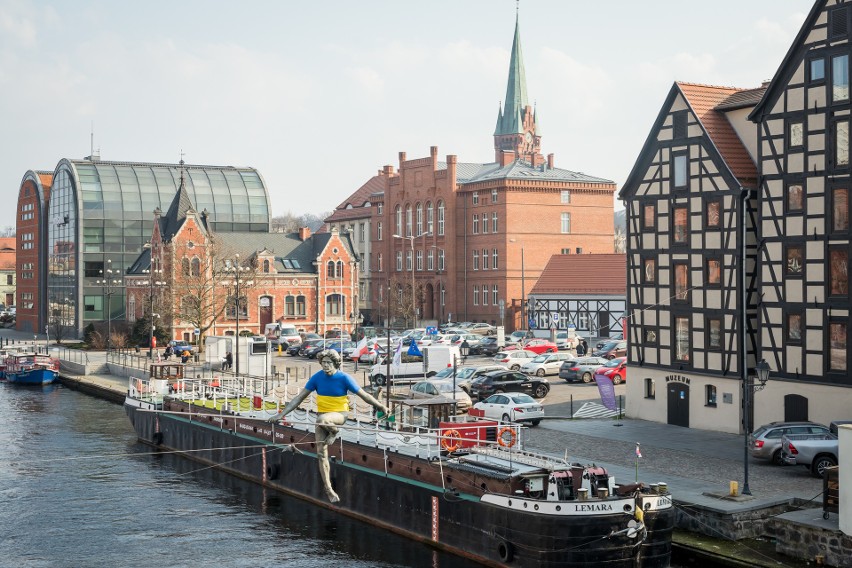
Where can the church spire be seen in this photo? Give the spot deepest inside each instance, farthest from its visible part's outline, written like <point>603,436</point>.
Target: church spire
<point>511,121</point>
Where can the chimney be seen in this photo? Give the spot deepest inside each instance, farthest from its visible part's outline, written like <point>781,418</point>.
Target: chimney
<point>387,170</point>
<point>304,233</point>
<point>550,161</point>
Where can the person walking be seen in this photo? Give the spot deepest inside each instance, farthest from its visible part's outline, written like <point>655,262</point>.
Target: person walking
<point>229,362</point>
<point>582,347</point>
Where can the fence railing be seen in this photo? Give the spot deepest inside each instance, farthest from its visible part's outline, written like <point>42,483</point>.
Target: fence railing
<point>64,354</point>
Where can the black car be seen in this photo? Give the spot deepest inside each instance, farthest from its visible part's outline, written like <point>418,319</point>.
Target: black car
<point>606,340</point>
<point>509,381</point>
<point>293,349</point>
<point>310,348</point>
<point>486,346</point>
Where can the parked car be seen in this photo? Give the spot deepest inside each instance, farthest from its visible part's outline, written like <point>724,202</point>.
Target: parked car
<point>518,336</point>
<point>564,342</point>
<point>340,345</point>
<point>433,388</point>
<point>509,381</point>
<point>466,375</point>
<point>486,346</point>
<point>540,346</point>
<point>472,339</point>
<point>606,340</point>
<point>481,329</point>
<point>545,364</point>
<point>615,369</point>
<point>179,346</point>
<point>817,452</point>
<point>581,368</point>
<point>310,346</point>
<point>513,359</point>
<point>765,442</point>
<point>337,334</point>
<point>511,408</point>
<point>612,349</point>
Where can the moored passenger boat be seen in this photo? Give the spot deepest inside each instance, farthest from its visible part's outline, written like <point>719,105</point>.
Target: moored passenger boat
<point>462,485</point>
<point>31,369</point>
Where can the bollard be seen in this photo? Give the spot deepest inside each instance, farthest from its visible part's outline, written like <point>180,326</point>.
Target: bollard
<point>733,488</point>
<point>583,493</point>
<point>663,488</point>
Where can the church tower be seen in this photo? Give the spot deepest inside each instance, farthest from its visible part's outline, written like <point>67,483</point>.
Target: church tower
<point>517,135</point>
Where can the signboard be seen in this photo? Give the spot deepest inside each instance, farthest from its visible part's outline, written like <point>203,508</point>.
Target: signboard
<point>532,322</point>
<point>607,391</point>
<point>502,305</point>
<point>197,331</point>
<point>554,319</point>
<point>431,330</point>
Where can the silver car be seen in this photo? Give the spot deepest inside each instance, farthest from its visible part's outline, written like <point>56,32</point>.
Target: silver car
<point>466,375</point>
<point>580,368</point>
<point>765,442</point>
<point>546,364</point>
<point>513,359</point>
<point>444,388</point>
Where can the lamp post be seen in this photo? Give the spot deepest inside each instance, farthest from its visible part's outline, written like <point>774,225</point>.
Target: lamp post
<point>237,270</point>
<point>762,370</point>
<point>524,322</point>
<point>413,299</point>
<point>109,283</point>
<point>151,283</point>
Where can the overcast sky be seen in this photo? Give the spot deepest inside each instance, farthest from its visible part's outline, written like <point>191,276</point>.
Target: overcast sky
<point>319,95</point>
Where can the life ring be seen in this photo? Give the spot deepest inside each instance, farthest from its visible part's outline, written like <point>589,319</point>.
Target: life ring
<point>505,551</point>
<point>512,437</point>
<point>448,437</point>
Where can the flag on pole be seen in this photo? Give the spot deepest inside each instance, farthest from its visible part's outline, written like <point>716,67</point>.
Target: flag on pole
<point>638,453</point>
<point>414,350</point>
<point>361,348</point>
<point>397,356</point>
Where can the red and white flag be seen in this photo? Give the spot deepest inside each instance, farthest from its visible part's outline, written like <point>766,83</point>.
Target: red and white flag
<point>638,453</point>
<point>361,348</point>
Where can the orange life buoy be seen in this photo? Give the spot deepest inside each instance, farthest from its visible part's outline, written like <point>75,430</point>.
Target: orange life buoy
<point>512,436</point>
<point>448,437</point>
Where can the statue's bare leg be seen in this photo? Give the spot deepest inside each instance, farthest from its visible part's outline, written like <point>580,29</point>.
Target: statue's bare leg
<point>326,434</point>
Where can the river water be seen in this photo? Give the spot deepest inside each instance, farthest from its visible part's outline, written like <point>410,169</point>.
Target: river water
<point>78,490</point>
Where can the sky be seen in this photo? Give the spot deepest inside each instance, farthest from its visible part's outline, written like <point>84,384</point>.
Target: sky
<point>319,95</point>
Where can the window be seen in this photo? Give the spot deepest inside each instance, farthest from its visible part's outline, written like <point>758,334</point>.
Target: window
<point>190,301</point>
<point>565,196</point>
<point>443,295</point>
<point>795,200</point>
<point>409,261</point>
<point>838,272</point>
<point>650,391</point>
<point>794,328</point>
<point>795,134</point>
<point>485,294</point>
<point>709,395</point>
<point>398,261</point>
<point>484,223</point>
<point>441,259</point>
<point>795,260</point>
<point>566,223</point>
<point>420,260</point>
<point>840,140</point>
<point>430,260</point>
<point>379,262</point>
<point>816,69</point>
<point>712,214</point>
<point>430,220</point>
<point>679,125</point>
<point>840,210</point>
<point>681,228</point>
<point>266,266</point>
<point>679,171</point>
<point>408,228</point>
<point>476,224</point>
<point>838,23</point>
<point>650,335</point>
<point>398,218</point>
<point>494,222</point>
<point>649,270</point>
<point>330,269</point>
<point>419,219</point>
<point>681,339</point>
<point>361,232</point>
<point>476,260</point>
<point>300,305</point>
<point>713,272</point>
<point>290,305</point>
<point>493,196</point>
<point>476,295</point>
<point>714,333</point>
<point>184,265</point>
<point>681,281</point>
<point>495,296</point>
<point>649,216</point>
<point>380,209</point>
<point>335,305</point>
<point>440,217</point>
<point>475,197</point>
<point>837,346</point>
<point>494,259</point>
<point>840,78</point>
<point>484,259</point>
<point>379,234</point>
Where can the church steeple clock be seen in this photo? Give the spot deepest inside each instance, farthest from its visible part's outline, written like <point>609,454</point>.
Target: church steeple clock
<point>517,134</point>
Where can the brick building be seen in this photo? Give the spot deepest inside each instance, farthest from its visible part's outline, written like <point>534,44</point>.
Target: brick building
<point>33,197</point>
<point>466,237</point>
<point>191,277</point>
<point>7,271</point>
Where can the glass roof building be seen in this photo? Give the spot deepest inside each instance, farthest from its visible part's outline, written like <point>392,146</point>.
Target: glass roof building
<point>100,214</point>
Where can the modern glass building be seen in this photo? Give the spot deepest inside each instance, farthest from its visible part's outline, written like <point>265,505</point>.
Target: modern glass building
<point>100,215</point>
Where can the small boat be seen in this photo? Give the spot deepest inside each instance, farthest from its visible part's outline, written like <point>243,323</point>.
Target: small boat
<point>31,369</point>
<point>461,484</point>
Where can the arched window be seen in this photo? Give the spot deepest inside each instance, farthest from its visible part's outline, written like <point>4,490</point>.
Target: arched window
<point>408,220</point>
<point>340,269</point>
<point>131,308</point>
<point>398,213</point>
<point>440,217</point>
<point>290,305</point>
<point>430,221</point>
<point>300,305</point>
<point>184,264</point>
<point>379,231</point>
<point>419,219</point>
<point>335,305</point>
<point>330,269</point>
<point>266,266</point>
<point>196,267</point>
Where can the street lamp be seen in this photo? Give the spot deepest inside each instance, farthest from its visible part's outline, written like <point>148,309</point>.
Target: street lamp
<point>762,370</point>
<point>524,322</point>
<point>237,270</point>
<point>109,283</point>
<point>413,299</point>
<point>151,283</point>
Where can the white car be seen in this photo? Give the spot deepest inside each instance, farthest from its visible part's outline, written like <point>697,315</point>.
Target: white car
<point>481,329</point>
<point>511,407</point>
<point>444,388</point>
<point>546,364</point>
<point>513,359</point>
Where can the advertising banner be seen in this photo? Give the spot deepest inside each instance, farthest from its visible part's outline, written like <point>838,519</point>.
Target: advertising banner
<point>607,391</point>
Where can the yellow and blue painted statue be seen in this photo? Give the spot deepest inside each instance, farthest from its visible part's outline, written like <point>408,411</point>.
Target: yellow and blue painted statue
<point>332,387</point>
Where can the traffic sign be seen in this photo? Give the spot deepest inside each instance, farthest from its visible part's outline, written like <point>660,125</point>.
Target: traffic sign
<point>197,331</point>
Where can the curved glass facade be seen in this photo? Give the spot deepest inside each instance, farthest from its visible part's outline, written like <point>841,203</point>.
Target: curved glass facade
<point>104,211</point>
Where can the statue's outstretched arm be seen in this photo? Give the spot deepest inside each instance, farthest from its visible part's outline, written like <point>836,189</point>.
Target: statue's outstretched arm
<point>291,406</point>
<point>370,399</point>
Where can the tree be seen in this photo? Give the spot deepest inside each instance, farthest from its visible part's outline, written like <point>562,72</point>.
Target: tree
<point>402,305</point>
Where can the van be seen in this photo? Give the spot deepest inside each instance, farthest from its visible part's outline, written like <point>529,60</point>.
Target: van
<point>281,334</point>
<point>414,368</point>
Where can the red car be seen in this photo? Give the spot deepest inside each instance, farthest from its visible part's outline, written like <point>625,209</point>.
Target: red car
<point>537,346</point>
<point>616,370</point>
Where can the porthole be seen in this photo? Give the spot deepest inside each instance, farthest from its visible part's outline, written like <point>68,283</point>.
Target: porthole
<point>417,471</point>
<point>390,464</point>
<point>483,487</point>
<point>558,508</point>
<point>364,458</point>
<point>526,504</point>
<point>627,508</point>
<point>449,479</point>
<point>535,506</point>
<point>510,502</point>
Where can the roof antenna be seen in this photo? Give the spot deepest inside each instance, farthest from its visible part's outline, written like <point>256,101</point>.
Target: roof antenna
<point>182,154</point>
<point>92,140</point>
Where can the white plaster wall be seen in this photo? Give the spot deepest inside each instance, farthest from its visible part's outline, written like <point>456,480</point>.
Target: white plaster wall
<point>845,459</point>
<point>825,403</point>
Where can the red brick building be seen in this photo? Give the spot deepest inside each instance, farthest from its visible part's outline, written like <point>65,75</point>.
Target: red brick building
<point>191,277</point>
<point>474,236</point>
<point>31,223</point>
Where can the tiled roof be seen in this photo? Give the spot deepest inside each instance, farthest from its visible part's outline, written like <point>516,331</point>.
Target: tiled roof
<point>471,173</point>
<point>742,99</point>
<point>598,274</point>
<point>704,99</point>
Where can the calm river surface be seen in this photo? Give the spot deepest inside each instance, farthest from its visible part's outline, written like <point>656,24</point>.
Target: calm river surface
<point>77,490</point>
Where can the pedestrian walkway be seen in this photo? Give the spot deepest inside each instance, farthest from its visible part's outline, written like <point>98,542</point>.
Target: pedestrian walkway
<point>595,410</point>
